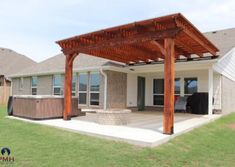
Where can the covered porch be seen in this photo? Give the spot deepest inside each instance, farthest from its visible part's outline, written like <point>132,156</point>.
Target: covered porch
<point>190,77</point>
<point>161,40</point>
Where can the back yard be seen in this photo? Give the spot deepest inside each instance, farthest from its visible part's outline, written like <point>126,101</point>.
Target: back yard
<point>37,145</point>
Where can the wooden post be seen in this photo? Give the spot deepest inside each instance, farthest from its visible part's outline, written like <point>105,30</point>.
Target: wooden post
<point>68,87</point>
<point>169,81</point>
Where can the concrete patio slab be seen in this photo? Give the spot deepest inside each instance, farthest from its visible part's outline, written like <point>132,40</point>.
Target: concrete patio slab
<point>145,129</point>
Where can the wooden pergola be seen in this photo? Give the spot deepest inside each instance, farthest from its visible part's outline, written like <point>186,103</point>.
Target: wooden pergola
<point>164,38</point>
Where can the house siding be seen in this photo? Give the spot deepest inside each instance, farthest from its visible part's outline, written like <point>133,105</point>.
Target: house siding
<point>116,89</point>
<point>228,95</point>
<point>26,90</point>
<point>45,85</point>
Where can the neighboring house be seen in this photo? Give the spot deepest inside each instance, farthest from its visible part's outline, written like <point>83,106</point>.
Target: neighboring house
<point>10,63</point>
<point>94,77</point>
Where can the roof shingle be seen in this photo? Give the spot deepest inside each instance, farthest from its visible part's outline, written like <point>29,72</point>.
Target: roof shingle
<point>12,62</point>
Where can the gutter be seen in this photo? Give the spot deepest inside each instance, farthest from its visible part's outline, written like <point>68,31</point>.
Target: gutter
<point>105,87</point>
<point>118,69</point>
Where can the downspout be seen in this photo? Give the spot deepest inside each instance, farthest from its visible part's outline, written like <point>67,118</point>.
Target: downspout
<point>105,87</point>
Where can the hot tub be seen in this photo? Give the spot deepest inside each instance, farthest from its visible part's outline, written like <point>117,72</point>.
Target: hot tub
<point>42,107</point>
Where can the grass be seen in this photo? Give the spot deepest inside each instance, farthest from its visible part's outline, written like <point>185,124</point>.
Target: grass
<point>36,145</point>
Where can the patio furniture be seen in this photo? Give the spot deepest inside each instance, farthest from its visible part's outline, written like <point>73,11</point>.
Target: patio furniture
<point>198,103</point>
<point>180,104</point>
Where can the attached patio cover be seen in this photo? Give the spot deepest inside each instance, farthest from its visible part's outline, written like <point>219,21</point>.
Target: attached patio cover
<point>168,37</point>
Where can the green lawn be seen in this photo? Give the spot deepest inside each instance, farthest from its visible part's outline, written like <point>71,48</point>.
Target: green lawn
<point>35,145</point>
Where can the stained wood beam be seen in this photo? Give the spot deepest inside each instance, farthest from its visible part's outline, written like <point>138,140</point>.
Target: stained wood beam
<point>128,53</point>
<point>169,80</point>
<point>188,47</point>
<point>160,46</point>
<point>180,51</point>
<point>195,38</point>
<point>141,53</point>
<point>107,54</point>
<point>142,48</point>
<point>118,55</point>
<point>69,48</point>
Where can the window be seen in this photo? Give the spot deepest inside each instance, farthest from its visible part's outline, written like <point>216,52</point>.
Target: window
<point>34,84</point>
<point>74,84</point>
<point>89,89</point>
<point>158,90</point>
<point>190,86</point>
<point>177,86</point>
<point>57,84</point>
<point>83,82</point>
<point>94,88</point>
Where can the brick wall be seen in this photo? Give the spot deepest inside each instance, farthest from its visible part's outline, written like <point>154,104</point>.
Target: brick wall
<point>117,89</point>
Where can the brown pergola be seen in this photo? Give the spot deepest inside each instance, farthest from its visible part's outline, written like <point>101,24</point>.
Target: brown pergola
<point>168,38</point>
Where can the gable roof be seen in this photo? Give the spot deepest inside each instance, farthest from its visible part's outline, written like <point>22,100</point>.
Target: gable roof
<point>223,39</point>
<point>11,62</point>
<point>56,64</point>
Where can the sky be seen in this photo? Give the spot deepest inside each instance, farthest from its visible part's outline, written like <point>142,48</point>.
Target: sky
<point>31,27</point>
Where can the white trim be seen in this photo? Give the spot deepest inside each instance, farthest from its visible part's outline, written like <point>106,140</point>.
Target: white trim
<point>181,86</point>
<point>210,91</point>
<point>76,70</point>
<point>105,87</point>
<point>201,64</point>
<point>179,66</point>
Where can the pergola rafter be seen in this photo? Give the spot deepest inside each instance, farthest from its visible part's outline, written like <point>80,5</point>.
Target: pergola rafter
<point>166,38</point>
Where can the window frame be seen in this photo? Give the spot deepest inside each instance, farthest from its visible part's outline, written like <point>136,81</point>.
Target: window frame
<point>60,86</point>
<point>34,87</point>
<point>158,94</point>
<point>187,94</point>
<point>93,92</point>
<point>74,92</point>
<point>162,94</point>
<point>86,91</point>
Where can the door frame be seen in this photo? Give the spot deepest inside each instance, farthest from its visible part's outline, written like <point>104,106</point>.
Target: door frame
<point>141,83</point>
